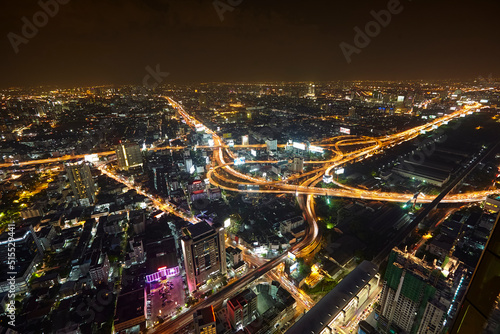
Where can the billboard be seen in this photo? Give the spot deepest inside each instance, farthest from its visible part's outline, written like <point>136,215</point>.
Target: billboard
<point>226,135</point>
<point>239,161</point>
<point>347,131</point>
<point>299,146</point>
<point>93,158</point>
<point>316,149</point>
<point>339,171</point>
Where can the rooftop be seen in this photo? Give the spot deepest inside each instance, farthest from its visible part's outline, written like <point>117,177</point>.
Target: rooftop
<point>199,229</point>
<point>329,306</point>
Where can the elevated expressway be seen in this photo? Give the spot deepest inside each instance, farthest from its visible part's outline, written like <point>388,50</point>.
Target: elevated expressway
<point>304,192</point>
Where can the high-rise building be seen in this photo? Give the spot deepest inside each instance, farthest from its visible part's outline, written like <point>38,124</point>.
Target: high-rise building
<point>298,165</point>
<point>204,253</point>
<point>128,155</point>
<point>241,309</point>
<point>29,254</point>
<point>412,300</point>
<point>99,267</point>
<point>188,163</point>
<point>244,140</point>
<point>158,178</point>
<point>479,310</point>
<point>204,321</point>
<point>80,179</point>
<point>272,145</point>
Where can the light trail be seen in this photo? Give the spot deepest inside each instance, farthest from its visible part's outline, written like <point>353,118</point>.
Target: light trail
<point>158,202</point>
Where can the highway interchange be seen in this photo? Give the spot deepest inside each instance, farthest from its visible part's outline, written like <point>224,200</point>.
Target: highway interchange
<point>304,186</point>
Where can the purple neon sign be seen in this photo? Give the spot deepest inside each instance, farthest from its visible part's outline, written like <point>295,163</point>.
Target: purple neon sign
<point>162,272</point>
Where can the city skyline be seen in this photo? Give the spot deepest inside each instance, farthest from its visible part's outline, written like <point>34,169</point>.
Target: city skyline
<point>230,166</point>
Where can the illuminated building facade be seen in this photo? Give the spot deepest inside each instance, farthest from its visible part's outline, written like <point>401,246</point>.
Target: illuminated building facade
<point>128,156</point>
<point>240,309</point>
<point>410,300</point>
<point>492,203</point>
<point>80,179</point>
<point>204,253</point>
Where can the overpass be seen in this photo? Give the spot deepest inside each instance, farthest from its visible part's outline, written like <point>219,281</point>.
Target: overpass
<point>421,216</point>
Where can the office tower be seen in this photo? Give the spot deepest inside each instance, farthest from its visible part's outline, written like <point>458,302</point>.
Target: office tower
<point>128,156</point>
<point>204,253</point>
<point>479,310</point>
<point>204,321</point>
<point>80,179</point>
<point>298,165</point>
<point>241,309</point>
<point>412,299</point>
<point>188,163</point>
<point>244,140</point>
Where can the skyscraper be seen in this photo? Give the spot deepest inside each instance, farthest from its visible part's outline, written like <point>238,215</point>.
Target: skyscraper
<point>204,253</point>
<point>80,179</point>
<point>128,155</point>
<point>412,300</point>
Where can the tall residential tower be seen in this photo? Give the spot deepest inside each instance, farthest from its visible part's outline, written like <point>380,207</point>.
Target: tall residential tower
<point>204,253</point>
<point>128,155</point>
<point>80,179</point>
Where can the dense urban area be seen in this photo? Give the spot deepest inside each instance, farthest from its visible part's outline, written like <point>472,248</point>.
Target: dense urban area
<point>276,207</point>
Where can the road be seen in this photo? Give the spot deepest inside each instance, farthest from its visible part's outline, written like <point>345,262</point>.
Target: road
<point>304,191</point>
<point>423,213</point>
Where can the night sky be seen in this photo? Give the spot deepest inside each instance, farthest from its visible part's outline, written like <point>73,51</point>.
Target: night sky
<point>113,41</point>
